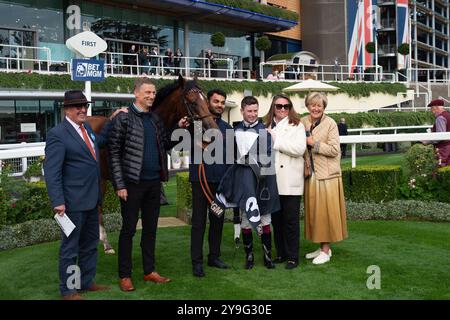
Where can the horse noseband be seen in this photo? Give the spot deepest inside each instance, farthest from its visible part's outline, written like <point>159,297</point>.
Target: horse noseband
<point>190,105</point>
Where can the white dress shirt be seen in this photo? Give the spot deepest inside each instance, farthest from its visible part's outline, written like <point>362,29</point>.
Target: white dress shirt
<point>77,128</point>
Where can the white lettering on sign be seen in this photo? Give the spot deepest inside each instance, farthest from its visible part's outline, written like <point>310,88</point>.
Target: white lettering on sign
<point>88,70</point>
<point>73,21</point>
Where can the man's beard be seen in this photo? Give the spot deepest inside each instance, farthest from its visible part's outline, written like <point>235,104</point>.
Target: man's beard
<point>214,112</point>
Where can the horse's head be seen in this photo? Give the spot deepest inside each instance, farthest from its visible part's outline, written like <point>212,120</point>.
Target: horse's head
<point>196,104</point>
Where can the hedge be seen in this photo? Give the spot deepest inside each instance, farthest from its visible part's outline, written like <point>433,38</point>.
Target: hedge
<point>253,6</point>
<point>443,178</point>
<point>371,183</point>
<point>34,204</point>
<point>125,85</point>
<point>385,119</point>
<point>43,230</point>
<point>364,183</point>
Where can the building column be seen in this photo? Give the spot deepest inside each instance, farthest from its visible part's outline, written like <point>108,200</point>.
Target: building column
<point>186,48</point>
<point>416,73</point>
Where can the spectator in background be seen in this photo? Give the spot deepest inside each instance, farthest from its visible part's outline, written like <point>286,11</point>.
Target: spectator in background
<point>154,60</point>
<point>168,60</point>
<point>132,59</point>
<point>143,61</point>
<point>342,127</point>
<point>273,76</point>
<point>211,62</point>
<point>336,69</point>
<point>177,61</point>
<point>441,124</point>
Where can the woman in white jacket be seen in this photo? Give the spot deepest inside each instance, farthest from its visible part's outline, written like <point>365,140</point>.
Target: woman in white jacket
<point>289,144</point>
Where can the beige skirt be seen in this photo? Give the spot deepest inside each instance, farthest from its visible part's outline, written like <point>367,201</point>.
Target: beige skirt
<point>325,214</point>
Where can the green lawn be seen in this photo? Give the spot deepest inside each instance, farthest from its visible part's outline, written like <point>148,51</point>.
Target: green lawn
<point>413,257</point>
<point>170,188</point>
<point>379,160</point>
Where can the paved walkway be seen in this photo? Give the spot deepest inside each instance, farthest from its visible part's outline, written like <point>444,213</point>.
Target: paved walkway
<point>166,222</point>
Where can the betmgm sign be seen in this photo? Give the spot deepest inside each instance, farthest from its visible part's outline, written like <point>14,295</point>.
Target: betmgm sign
<point>88,70</point>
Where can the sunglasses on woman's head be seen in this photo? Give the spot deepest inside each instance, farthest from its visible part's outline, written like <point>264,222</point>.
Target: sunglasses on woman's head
<point>283,106</point>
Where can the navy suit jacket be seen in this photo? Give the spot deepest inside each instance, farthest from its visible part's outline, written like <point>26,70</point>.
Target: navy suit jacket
<point>72,174</point>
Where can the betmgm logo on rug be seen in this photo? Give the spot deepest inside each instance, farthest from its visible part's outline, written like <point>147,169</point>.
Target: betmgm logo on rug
<point>88,70</point>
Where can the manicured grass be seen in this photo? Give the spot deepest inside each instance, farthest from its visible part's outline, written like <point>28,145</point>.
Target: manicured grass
<point>378,160</point>
<point>170,188</point>
<point>412,256</point>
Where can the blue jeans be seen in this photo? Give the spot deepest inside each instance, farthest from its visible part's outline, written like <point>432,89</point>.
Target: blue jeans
<point>81,247</point>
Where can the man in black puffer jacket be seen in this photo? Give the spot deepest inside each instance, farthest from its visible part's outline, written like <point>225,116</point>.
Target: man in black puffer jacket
<point>138,145</point>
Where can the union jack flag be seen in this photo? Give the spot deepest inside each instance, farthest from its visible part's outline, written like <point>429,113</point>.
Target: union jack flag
<point>361,15</point>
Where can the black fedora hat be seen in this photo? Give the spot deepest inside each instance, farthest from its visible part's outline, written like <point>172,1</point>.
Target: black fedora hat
<point>74,97</point>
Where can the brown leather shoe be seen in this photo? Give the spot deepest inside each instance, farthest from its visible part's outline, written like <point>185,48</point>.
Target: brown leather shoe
<point>126,284</point>
<point>99,287</point>
<point>155,277</point>
<point>72,296</point>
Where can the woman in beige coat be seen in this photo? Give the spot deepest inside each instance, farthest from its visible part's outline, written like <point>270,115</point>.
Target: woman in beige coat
<point>289,144</point>
<point>325,214</point>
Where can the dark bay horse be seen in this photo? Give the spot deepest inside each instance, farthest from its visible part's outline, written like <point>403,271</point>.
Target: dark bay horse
<point>180,99</point>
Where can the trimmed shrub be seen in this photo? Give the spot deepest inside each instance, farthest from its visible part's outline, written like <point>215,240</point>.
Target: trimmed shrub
<point>263,43</point>
<point>33,204</point>
<point>111,202</point>
<point>29,81</point>
<point>3,207</point>
<point>403,49</point>
<point>399,210</point>
<point>184,197</point>
<point>370,47</point>
<point>218,39</point>
<point>443,177</point>
<point>43,230</point>
<point>371,183</point>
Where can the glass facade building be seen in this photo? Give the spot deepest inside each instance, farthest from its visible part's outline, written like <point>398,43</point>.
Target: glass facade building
<point>27,26</point>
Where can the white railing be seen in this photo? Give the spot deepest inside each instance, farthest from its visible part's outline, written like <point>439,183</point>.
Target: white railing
<point>19,158</point>
<point>327,72</point>
<point>400,137</point>
<point>395,129</point>
<point>118,64</point>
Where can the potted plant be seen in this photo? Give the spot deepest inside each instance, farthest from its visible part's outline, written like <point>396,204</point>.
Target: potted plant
<point>184,159</point>
<point>175,159</point>
<point>263,44</point>
<point>34,171</point>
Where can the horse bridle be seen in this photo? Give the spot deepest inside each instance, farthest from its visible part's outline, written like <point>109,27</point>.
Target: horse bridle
<point>193,117</point>
<point>191,105</point>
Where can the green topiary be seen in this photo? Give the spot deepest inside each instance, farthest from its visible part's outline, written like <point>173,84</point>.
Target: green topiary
<point>263,43</point>
<point>370,47</point>
<point>218,39</point>
<point>403,49</point>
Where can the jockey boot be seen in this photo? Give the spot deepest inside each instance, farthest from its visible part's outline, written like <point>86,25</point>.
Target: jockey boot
<point>247,239</point>
<point>267,248</point>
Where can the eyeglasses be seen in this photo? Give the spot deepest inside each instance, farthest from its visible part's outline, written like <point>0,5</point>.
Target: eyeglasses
<point>281,106</point>
<point>82,106</point>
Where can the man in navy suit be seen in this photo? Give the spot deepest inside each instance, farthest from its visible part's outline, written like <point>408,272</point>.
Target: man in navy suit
<point>72,175</point>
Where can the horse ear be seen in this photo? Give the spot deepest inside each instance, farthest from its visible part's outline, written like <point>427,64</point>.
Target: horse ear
<point>181,80</point>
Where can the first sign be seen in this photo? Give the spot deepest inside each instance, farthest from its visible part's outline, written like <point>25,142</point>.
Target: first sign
<point>87,44</point>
